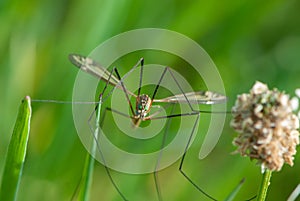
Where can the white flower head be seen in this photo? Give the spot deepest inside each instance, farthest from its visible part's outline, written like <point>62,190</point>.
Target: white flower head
<point>267,126</point>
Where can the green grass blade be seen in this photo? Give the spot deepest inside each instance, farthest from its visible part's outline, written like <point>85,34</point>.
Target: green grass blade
<point>86,179</point>
<point>87,174</point>
<point>235,191</point>
<point>16,153</point>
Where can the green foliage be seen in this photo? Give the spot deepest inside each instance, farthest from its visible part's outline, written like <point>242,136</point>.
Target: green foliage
<point>248,41</point>
<point>16,153</point>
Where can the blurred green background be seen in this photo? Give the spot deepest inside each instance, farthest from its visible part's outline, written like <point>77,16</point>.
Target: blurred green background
<point>248,41</point>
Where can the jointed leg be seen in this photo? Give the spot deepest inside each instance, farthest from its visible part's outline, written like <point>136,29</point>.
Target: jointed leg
<point>183,157</point>
<point>96,138</point>
<point>177,83</point>
<point>141,77</point>
<point>159,158</point>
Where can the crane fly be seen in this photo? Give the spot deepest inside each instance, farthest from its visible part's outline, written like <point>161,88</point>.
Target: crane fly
<point>143,102</point>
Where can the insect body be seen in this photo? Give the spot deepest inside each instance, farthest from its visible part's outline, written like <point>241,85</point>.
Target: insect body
<point>143,101</point>
<point>143,104</point>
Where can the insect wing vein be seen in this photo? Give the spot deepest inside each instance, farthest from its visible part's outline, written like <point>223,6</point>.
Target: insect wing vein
<point>92,67</point>
<point>199,97</point>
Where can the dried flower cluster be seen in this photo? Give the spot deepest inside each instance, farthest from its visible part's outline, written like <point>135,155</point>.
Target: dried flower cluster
<point>267,126</point>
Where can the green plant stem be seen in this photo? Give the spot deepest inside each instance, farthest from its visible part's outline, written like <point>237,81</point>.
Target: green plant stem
<point>16,153</point>
<point>265,183</point>
<point>87,175</point>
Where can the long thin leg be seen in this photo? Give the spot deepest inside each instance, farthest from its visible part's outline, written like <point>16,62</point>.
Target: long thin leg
<point>141,77</point>
<point>140,62</point>
<point>125,91</point>
<point>154,115</point>
<point>183,157</point>
<point>174,115</point>
<point>193,112</point>
<point>252,198</point>
<point>165,134</point>
<point>124,77</point>
<point>159,110</point>
<point>115,111</point>
<point>181,90</point>
<point>97,140</point>
<point>98,108</point>
<point>100,97</point>
<point>158,84</point>
<point>177,83</point>
<point>159,158</point>
<point>76,189</point>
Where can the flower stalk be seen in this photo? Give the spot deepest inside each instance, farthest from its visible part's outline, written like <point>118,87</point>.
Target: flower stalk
<point>265,183</point>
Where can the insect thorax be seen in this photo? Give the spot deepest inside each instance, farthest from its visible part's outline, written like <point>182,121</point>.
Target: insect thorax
<point>143,105</point>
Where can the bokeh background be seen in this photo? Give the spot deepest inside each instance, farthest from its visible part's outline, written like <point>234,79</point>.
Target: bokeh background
<point>248,41</point>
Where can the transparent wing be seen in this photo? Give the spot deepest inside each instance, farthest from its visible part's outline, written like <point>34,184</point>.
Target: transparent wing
<point>90,66</point>
<point>199,97</point>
